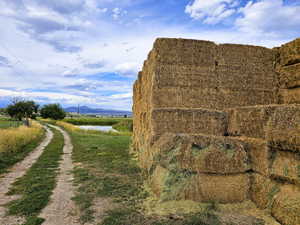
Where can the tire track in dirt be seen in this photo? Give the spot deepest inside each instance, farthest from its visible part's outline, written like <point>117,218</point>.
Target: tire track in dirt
<point>16,172</point>
<point>62,209</point>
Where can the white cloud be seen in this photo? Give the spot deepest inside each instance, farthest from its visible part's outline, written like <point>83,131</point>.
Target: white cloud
<point>117,101</point>
<point>127,67</point>
<point>118,12</point>
<point>269,17</point>
<point>211,11</point>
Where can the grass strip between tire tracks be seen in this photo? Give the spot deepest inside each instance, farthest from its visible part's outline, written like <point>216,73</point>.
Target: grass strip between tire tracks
<point>36,186</point>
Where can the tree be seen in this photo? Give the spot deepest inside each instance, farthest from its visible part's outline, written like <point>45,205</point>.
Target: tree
<point>22,109</point>
<point>53,111</point>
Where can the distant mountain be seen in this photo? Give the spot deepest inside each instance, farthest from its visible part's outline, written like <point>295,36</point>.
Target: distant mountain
<point>99,111</point>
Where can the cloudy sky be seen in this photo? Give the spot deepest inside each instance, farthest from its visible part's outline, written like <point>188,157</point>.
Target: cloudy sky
<point>88,52</point>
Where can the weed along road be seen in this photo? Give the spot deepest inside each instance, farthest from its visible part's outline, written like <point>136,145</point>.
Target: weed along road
<point>16,172</point>
<point>61,209</point>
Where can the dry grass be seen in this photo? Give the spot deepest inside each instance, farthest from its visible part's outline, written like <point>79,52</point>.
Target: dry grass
<point>14,139</point>
<point>68,126</point>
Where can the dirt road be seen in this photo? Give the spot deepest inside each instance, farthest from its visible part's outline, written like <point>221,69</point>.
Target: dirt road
<point>61,209</point>
<point>17,171</point>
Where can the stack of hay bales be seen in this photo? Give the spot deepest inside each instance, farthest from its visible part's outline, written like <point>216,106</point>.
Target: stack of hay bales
<point>221,123</point>
<point>187,82</point>
<point>279,189</point>
<point>288,66</point>
<point>201,74</point>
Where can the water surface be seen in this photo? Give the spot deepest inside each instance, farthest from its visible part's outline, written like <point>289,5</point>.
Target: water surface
<point>101,128</point>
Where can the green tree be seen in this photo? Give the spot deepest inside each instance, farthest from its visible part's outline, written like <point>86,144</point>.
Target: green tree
<point>53,111</point>
<point>22,109</point>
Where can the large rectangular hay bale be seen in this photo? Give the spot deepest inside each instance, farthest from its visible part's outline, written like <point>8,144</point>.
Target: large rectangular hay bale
<point>259,154</point>
<point>290,96</point>
<point>184,52</point>
<point>253,56</point>
<point>286,166</point>
<point>194,76</point>
<point>199,154</point>
<point>263,191</point>
<point>211,98</point>
<point>218,188</point>
<point>286,206</point>
<point>168,185</point>
<point>290,53</point>
<point>250,121</point>
<point>214,155</point>
<point>172,120</point>
<point>243,77</point>
<point>289,76</point>
<point>283,128</point>
<point>237,77</point>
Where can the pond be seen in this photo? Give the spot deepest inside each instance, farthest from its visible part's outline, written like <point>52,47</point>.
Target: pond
<point>101,128</point>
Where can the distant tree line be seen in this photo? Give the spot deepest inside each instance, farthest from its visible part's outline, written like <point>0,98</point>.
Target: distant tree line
<point>22,109</point>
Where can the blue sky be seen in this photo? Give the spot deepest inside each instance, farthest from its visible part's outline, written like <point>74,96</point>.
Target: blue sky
<point>88,52</point>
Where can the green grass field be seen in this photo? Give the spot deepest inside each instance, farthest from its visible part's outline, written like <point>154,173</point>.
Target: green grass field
<point>95,121</point>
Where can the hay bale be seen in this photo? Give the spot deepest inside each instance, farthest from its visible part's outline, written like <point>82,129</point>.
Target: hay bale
<point>177,170</point>
<point>289,53</point>
<point>250,121</point>
<point>286,206</point>
<point>259,154</point>
<point>169,185</point>
<point>211,98</point>
<point>286,166</point>
<point>283,128</point>
<point>199,154</point>
<point>245,77</point>
<point>245,67</point>
<point>193,76</point>
<point>239,219</point>
<point>184,52</point>
<point>216,155</point>
<point>246,55</point>
<point>290,96</point>
<point>172,120</point>
<point>218,188</point>
<point>263,191</point>
<point>289,76</point>
<point>221,76</point>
